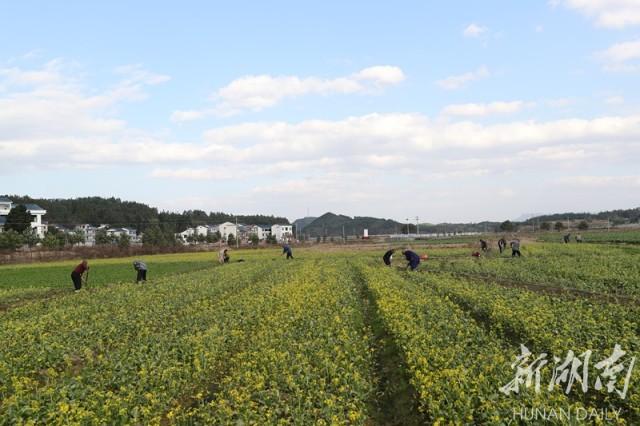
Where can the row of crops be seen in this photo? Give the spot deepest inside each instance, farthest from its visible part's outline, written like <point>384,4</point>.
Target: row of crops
<point>324,339</point>
<point>593,268</point>
<point>613,237</point>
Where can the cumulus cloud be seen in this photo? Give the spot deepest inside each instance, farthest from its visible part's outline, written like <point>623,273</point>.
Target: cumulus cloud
<point>49,119</point>
<point>615,14</point>
<point>481,110</point>
<point>257,92</point>
<point>46,113</point>
<point>456,82</point>
<point>623,56</point>
<point>474,30</point>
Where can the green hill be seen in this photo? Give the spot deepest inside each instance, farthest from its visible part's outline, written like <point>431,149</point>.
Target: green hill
<point>333,225</point>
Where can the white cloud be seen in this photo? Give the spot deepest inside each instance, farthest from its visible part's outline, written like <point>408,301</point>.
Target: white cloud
<point>257,92</point>
<point>55,122</point>
<point>630,181</point>
<point>614,100</point>
<point>480,110</point>
<point>615,14</point>
<point>456,82</point>
<point>621,56</point>
<point>49,117</point>
<point>474,30</point>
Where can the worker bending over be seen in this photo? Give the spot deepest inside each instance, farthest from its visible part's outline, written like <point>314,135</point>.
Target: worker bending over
<point>515,248</point>
<point>223,257</point>
<point>78,272</point>
<point>413,259</point>
<point>141,268</point>
<point>502,244</point>
<point>286,249</point>
<point>388,257</point>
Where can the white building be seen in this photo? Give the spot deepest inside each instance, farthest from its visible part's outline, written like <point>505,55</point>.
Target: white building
<point>5,206</point>
<point>227,229</point>
<point>117,232</point>
<point>282,232</point>
<point>262,231</point>
<point>89,232</point>
<point>34,210</point>
<point>187,233</point>
<point>36,213</point>
<point>201,230</point>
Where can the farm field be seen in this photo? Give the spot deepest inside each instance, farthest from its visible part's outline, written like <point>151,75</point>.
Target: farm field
<point>329,338</point>
<point>614,237</point>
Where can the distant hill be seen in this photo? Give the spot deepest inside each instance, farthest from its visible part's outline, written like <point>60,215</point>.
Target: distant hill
<point>302,223</point>
<point>618,216</point>
<point>331,225</point>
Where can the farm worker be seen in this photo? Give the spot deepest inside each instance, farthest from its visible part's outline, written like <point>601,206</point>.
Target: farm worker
<point>483,245</point>
<point>515,248</point>
<point>502,244</point>
<point>566,238</point>
<point>413,259</point>
<point>223,257</point>
<point>78,272</point>
<point>141,267</point>
<point>287,249</point>
<point>388,257</point>
<point>578,238</point>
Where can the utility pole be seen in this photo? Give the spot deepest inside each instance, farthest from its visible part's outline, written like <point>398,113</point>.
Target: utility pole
<point>237,234</point>
<point>418,225</point>
<point>344,239</point>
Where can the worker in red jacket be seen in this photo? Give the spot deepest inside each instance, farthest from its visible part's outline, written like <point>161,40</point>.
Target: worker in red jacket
<point>78,272</point>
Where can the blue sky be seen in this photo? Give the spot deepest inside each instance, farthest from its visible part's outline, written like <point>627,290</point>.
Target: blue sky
<point>455,111</point>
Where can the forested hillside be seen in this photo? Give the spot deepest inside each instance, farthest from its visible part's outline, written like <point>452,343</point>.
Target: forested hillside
<point>116,212</point>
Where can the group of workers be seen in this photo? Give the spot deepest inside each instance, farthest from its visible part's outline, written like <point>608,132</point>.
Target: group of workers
<point>413,259</point>
<point>502,245</point>
<point>567,238</point>
<point>80,273</point>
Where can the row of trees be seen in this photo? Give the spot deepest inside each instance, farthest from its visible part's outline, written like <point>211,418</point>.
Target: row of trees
<point>508,226</point>
<point>54,239</point>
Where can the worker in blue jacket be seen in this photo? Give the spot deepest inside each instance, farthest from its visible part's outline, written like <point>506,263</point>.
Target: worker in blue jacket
<point>413,259</point>
<point>286,249</point>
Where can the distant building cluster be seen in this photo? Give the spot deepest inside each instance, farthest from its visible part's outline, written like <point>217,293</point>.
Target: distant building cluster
<point>281,233</point>
<point>90,234</point>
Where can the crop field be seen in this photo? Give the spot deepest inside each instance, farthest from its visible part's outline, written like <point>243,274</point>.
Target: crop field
<point>614,237</point>
<point>327,338</point>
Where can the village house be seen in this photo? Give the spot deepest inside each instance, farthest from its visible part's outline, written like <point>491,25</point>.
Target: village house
<point>282,232</point>
<point>262,231</point>
<point>226,229</point>
<point>36,212</point>
<point>89,232</point>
